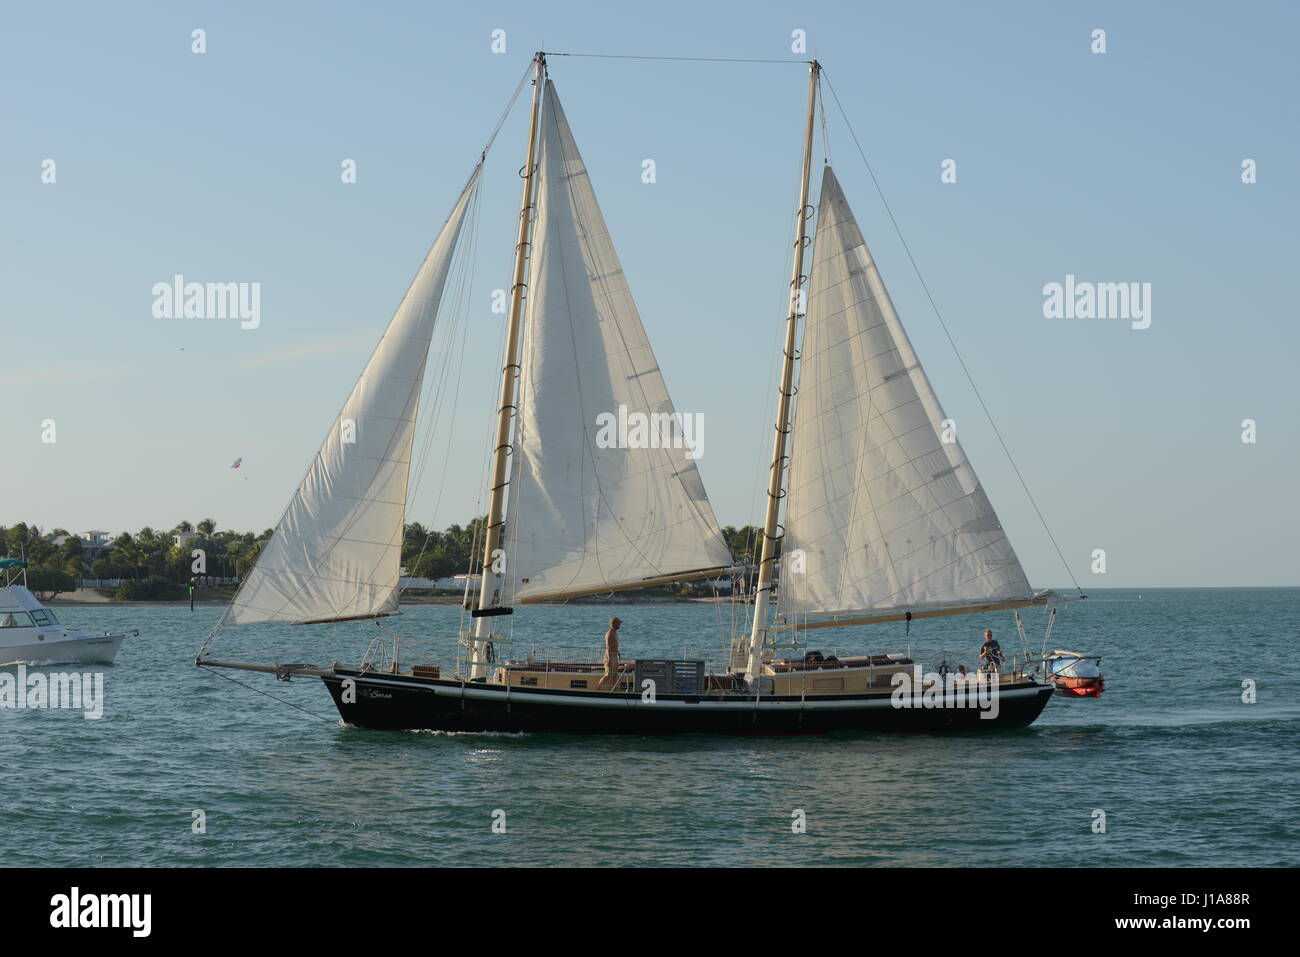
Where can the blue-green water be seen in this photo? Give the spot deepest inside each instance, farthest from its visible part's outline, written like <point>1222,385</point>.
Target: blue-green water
<point>1186,773</point>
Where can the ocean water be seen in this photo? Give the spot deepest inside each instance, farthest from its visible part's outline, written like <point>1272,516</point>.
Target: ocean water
<point>1184,771</point>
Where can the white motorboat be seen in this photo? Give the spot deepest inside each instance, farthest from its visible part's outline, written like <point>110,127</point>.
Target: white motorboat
<point>30,633</point>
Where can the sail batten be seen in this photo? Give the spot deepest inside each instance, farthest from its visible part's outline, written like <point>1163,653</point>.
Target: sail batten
<point>335,554</point>
<point>885,514</point>
<point>583,513</point>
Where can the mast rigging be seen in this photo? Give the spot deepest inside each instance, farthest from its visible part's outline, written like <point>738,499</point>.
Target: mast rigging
<point>767,563</point>
<point>490,584</point>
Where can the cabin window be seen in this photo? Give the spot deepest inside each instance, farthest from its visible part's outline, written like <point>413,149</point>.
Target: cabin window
<point>15,619</point>
<point>578,683</point>
<point>43,617</point>
<point>528,680</point>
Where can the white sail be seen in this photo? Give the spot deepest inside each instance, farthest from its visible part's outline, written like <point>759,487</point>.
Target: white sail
<point>582,514</point>
<point>882,512</point>
<point>336,552</point>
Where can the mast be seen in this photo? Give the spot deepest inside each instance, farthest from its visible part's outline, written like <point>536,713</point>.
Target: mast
<point>766,566</point>
<point>489,590</point>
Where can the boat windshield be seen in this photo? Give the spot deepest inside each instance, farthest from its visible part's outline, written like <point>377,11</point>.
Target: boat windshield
<point>44,617</point>
<point>15,619</point>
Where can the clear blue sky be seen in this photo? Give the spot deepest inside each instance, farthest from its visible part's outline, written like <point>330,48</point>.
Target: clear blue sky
<point>225,167</point>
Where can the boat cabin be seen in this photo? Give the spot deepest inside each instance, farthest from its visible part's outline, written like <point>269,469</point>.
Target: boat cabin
<point>20,610</point>
<point>812,674</point>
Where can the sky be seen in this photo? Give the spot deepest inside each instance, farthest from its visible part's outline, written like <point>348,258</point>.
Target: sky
<point>225,166</point>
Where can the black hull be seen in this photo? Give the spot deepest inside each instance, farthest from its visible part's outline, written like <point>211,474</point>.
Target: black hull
<point>405,703</point>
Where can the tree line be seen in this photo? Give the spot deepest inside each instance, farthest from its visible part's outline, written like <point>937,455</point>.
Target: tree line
<point>150,551</point>
<point>434,555</point>
<point>153,555</point>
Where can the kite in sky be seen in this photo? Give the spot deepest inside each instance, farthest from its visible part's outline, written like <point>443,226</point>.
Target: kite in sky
<point>235,464</point>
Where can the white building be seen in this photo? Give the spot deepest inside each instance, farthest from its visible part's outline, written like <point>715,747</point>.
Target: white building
<point>94,544</point>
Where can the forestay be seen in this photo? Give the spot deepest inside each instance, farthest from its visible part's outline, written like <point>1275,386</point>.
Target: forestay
<point>336,552</point>
<point>884,510</point>
<point>588,507</point>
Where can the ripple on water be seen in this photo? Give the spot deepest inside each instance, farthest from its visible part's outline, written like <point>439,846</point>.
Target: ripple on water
<point>1183,770</point>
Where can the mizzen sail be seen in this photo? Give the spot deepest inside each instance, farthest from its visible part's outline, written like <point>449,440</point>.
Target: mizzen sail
<point>593,503</point>
<point>884,510</point>
<point>336,552</point>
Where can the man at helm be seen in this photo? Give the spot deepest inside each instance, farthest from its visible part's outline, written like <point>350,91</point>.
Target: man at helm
<point>991,652</point>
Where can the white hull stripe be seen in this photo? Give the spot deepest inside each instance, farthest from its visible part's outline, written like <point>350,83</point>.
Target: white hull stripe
<point>704,703</point>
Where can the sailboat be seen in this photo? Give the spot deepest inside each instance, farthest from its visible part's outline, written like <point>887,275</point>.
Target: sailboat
<point>885,520</point>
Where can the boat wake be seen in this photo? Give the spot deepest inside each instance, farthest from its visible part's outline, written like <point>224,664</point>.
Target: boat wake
<point>1254,715</point>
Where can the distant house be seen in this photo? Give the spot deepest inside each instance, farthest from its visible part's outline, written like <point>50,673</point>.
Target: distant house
<point>94,544</point>
<point>184,538</point>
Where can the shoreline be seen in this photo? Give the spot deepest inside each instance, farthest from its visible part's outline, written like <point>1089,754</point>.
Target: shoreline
<point>578,602</point>
<point>184,603</point>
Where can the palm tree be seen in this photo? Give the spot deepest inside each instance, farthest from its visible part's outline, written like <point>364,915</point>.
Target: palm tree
<point>248,557</point>
<point>232,557</point>
<point>70,554</point>
<point>153,547</point>
<point>126,553</point>
<point>29,541</point>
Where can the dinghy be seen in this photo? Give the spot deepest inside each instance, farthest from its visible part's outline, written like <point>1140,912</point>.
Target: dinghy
<point>1075,675</point>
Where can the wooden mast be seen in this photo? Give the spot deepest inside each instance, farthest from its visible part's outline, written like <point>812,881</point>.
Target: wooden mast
<point>489,592</point>
<point>766,566</point>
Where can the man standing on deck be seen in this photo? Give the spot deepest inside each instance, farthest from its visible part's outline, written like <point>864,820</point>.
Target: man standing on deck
<point>611,647</point>
<point>991,652</point>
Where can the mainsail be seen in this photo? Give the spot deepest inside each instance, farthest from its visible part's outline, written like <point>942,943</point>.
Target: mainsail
<point>592,506</point>
<point>885,512</point>
<point>336,552</point>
